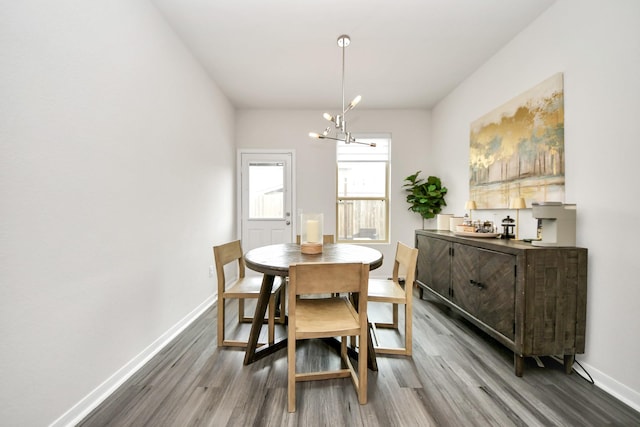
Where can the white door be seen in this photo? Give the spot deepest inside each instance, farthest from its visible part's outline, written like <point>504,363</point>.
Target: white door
<point>266,198</point>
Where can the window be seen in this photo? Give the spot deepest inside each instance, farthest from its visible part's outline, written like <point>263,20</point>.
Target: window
<point>363,190</point>
<point>266,184</point>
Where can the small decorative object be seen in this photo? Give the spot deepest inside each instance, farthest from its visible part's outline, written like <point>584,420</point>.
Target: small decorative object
<point>425,197</point>
<point>442,221</point>
<point>508,224</point>
<point>455,222</point>
<point>486,227</point>
<point>470,206</point>
<point>466,226</point>
<point>311,233</point>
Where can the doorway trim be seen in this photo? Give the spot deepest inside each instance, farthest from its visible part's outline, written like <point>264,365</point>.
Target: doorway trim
<point>294,210</point>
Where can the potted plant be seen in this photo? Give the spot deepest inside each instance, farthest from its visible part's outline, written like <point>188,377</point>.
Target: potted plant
<point>425,197</point>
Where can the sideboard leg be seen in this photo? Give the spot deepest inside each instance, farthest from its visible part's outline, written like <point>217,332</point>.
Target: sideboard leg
<point>568,363</point>
<point>518,363</point>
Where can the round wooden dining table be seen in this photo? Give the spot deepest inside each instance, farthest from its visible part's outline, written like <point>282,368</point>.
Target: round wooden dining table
<point>274,260</point>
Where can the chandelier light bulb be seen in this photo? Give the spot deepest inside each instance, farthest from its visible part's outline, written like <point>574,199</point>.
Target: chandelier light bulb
<point>355,102</point>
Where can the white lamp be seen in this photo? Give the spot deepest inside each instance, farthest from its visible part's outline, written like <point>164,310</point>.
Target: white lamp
<point>517,204</point>
<point>470,206</point>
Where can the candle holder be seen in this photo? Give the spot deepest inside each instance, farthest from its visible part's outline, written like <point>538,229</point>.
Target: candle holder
<point>311,233</point>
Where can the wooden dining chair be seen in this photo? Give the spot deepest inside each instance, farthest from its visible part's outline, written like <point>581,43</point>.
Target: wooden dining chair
<point>241,288</point>
<point>397,292</point>
<point>327,318</point>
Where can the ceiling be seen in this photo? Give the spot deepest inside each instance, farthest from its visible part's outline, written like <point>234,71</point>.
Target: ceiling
<point>403,53</point>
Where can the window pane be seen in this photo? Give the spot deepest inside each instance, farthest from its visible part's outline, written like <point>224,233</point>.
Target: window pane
<point>362,219</point>
<point>362,179</point>
<point>266,183</point>
<point>359,152</point>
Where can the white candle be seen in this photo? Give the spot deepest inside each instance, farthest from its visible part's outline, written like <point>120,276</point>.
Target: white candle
<point>313,231</point>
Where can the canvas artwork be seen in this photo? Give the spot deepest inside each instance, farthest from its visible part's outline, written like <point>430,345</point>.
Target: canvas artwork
<point>517,150</point>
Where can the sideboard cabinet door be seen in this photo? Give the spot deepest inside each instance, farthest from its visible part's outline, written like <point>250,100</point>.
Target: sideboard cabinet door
<point>483,284</point>
<point>434,264</point>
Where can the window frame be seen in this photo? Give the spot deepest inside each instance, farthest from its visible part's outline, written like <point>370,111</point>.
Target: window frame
<point>385,199</point>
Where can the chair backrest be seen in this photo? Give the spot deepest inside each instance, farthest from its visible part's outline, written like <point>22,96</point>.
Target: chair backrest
<point>326,238</point>
<point>405,264</point>
<point>225,254</point>
<point>326,277</point>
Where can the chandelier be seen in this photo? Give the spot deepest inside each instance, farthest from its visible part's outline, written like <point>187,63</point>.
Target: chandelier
<point>338,120</point>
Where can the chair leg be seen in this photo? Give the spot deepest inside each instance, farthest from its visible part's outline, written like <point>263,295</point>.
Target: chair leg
<point>408,328</point>
<point>283,298</point>
<point>240,310</point>
<point>395,316</point>
<point>221,320</point>
<point>291,372</point>
<point>271,319</point>
<point>363,367</point>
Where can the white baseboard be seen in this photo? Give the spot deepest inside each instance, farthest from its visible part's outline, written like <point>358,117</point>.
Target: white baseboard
<point>611,386</point>
<point>104,390</point>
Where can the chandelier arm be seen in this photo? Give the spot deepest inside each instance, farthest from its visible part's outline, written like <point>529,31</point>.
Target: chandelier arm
<point>370,144</point>
<point>345,140</point>
<point>330,137</point>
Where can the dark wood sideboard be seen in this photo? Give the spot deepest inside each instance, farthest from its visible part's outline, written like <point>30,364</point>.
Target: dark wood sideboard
<point>531,299</point>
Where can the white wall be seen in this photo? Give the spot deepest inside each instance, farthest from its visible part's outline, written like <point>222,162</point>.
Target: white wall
<point>316,160</point>
<point>116,177</point>
<point>597,46</point>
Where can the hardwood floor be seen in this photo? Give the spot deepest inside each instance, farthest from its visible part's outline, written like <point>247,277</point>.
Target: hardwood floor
<point>457,377</point>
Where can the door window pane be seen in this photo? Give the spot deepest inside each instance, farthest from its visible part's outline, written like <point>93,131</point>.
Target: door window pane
<point>266,184</point>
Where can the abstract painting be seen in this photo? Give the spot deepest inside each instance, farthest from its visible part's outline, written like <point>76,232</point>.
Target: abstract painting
<point>517,150</point>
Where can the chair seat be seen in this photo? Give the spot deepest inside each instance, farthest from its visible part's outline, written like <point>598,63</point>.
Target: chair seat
<point>249,287</point>
<point>387,290</point>
<point>322,318</point>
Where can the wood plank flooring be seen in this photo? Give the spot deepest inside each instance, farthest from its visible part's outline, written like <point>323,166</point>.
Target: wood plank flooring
<point>457,376</point>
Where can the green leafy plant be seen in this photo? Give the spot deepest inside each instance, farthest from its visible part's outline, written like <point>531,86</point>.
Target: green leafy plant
<point>425,197</point>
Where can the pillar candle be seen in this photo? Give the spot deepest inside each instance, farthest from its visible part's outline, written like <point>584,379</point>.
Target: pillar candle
<point>313,231</point>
